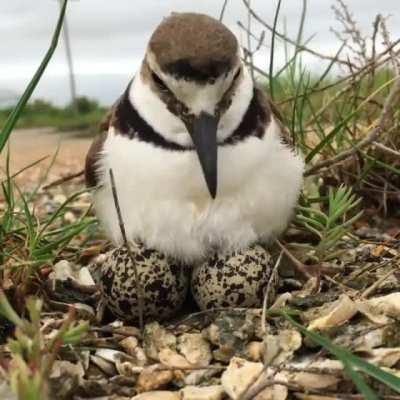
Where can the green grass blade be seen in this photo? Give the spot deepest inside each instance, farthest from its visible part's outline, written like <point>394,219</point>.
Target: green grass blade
<point>348,358</point>
<point>14,116</point>
<point>271,60</point>
<point>358,380</point>
<point>329,137</point>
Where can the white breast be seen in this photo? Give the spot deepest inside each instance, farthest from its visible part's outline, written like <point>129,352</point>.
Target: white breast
<point>165,202</point>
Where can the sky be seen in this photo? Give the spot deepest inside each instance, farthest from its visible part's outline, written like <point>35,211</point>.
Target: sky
<point>109,38</point>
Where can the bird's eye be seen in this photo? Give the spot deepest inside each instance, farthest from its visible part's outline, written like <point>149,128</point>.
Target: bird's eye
<point>159,82</point>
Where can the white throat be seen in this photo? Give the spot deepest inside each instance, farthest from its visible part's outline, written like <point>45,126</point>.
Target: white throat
<point>154,111</point>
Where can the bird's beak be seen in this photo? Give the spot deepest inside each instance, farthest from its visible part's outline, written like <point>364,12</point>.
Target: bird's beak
<point>204,136</point>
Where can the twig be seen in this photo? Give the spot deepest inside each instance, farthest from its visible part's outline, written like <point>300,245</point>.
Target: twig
<point>248,392</point>
<point>386,149</point>
<point>360,73</point>
<point>268,292</point>
<point>249,46</point>
<point>139,291</point>
<point>376,284</point>
<point>222,13</point>
<point>25,168</point>
<point>291,41</point>
<point>386,114</point>
<point>272,52</point>
<point>206,312</point>
<point>64,179</point>
<point>299,265</point>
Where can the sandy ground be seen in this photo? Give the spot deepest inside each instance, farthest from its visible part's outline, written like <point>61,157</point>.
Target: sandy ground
<point>30,145</point>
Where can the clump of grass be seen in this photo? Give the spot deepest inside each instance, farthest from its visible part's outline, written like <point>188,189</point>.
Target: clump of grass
<point>331,225</point>
<point>32,356</point>
<point>31,240</point>
<point>331,113</point>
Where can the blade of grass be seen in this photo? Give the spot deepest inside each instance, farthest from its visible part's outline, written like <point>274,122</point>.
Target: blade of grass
<point>14,116</point>
<point>347,357</point>
<point>271,60</point>
<point>34,163</point>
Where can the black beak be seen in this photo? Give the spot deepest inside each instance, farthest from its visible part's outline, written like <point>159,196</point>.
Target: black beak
<point>204,136</point>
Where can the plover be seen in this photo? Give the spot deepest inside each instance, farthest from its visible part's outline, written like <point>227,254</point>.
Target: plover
<point>200,158</point>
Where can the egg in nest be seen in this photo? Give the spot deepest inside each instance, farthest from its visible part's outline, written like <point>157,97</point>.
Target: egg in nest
<point>164,283</point>
<point>238,279</point>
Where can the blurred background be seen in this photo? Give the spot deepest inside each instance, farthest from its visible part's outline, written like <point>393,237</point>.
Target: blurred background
<point>108,39</point>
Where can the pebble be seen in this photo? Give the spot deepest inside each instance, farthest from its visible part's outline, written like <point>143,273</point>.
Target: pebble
<point>255,350</point>
<point>239,375</point>
<point>215,392</point>
<point>158,395</point>
<point>195,349</point>
<point>172,359</point>
<point>129,344</point>
<point>151,378</point>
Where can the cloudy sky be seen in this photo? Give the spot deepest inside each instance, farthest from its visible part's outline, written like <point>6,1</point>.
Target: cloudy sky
<point>109,37</point>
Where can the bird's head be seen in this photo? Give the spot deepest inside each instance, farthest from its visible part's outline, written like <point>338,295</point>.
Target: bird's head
<point>194,66</point>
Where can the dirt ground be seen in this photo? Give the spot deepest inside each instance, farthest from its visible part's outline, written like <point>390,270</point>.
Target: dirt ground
<point>30,145</point>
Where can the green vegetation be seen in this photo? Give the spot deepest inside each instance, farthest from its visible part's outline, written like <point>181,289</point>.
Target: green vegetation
<point>83,116</point>
<point>33,356</point>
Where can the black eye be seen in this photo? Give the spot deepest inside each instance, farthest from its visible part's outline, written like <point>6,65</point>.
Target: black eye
<point>159,82</point>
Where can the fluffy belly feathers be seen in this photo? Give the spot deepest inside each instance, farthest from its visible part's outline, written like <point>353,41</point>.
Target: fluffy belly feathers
<point>165,202</point>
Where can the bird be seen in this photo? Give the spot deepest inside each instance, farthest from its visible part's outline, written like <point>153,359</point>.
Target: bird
<point>201,159</point>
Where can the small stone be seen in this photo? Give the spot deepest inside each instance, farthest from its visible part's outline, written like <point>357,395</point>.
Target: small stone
<point>70,217</point>
<point>129,344</point>
<point>151,378</point>
<point>158,395</point>
<point>85,277</point>
<point>62,271</point>
<point>107,367</point>
<point>156,338</point>
<point>212,334</point>
<point>127,369</point>
<point>275,392</point>
<point>239,375</point>
<point>172,359</point>
<point>59,198</point>
<point>255,351</point>
<point>199,376</point>
<point>215,392</point>
<point>195,349</point>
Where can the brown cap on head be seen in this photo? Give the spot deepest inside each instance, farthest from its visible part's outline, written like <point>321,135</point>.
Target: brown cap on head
<point>193,46</point>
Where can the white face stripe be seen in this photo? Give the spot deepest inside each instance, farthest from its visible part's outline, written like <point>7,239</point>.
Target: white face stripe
<point>198,97</point>
<point>204,98</point>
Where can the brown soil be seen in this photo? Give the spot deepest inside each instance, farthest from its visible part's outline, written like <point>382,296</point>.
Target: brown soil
<point>30,145</point>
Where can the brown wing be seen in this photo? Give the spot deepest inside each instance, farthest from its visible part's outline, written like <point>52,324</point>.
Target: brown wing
<point>271,109</point>
<point>95,149</point>
<point>92,157</point>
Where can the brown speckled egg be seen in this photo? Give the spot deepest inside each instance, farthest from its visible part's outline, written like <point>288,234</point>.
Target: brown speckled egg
<point>232,280</point>
<point>164,283</point>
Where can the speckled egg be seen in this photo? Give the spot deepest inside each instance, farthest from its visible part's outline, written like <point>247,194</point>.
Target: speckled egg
<point>164,283</point>
<point>238,279</point>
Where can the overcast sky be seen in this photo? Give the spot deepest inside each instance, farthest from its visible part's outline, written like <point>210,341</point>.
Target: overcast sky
<point>109,37</point>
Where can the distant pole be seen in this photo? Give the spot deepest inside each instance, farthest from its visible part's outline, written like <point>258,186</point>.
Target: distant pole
<point>72,82</point>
